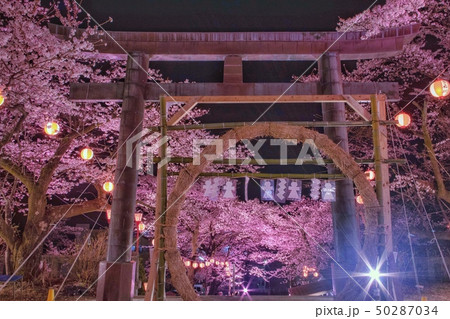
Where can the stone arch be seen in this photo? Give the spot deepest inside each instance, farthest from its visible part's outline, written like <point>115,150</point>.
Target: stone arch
<point>189,174</point>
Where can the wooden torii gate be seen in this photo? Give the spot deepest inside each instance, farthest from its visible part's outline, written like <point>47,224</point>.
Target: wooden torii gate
<point>329,48</point>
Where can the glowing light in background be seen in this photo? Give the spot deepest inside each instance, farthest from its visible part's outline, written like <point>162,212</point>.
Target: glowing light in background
<point>108,215</point>
<point>374,274</point>
<point>202,265</point>
<point>187,263</point>
<point>51,128</point>
<point>195,265</point>
<point>2,99</point>
<point>141,227</point>
<point>370,175</point>
<point>359,199</point>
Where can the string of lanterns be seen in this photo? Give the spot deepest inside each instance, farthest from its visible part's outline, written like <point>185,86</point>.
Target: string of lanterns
<point>307,270</point>
<point>209,263</point>
<point>439,89</point>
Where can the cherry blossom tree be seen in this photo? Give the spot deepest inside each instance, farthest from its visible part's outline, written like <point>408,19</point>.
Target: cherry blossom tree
<point>425,142</point>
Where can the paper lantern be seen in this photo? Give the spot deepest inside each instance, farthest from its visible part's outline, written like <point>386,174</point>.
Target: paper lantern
<point>2,99</point>
<point>211,260</point>
<point>141,227</point>
<point>195,265</point>
<point>138,217</point>
<point>87,153</point>
<point>108,215</point>
<point>370,175</point>
<point>187,263</point>
<point>51,128</point>
<point>217,263</point>
<point>403,119</point>
<point>108,187</point>
<point>207,264</point>
<point>201,265</point>
<point>440,88</point>
<point>359,199</point>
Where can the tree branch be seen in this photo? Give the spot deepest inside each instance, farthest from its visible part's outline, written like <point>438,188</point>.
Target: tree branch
<point>71,210</point>
<point>23,174</point>
<point>48,169</point>
<point>5,140</point>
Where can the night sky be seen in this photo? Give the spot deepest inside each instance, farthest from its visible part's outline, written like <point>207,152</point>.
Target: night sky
<point>224,15</point>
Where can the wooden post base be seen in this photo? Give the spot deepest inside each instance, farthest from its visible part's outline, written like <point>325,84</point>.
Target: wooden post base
<point>117,283</point>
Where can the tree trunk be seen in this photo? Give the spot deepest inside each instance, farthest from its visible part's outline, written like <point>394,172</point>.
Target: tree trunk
<point>28,251</point>
<point>191,270</point>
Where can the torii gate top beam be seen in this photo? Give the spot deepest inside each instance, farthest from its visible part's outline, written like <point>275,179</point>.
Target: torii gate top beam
<point>271,46</point>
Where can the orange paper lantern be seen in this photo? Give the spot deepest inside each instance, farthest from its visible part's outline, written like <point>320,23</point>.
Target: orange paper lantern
<point>440,88</point>
<point>108,187</point>
<point>87,153</point>
<point>51,128</point>
<point>403,119</point>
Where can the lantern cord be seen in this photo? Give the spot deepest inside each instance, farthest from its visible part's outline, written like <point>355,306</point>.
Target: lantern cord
<point>413,258</point>
<point>423,205</point>
<point>88,237</point>
<point>423,90</point>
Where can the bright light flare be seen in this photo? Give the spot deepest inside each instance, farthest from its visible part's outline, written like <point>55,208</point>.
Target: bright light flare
<point>374,274</point>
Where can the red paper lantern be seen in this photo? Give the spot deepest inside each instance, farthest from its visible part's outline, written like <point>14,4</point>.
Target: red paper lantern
<point>440,88</point>
<point>138,217</point>
<point>403,119</point>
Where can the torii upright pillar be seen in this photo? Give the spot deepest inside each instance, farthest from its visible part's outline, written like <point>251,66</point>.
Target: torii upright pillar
<point>343,210</point>
<point>117,273</point>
